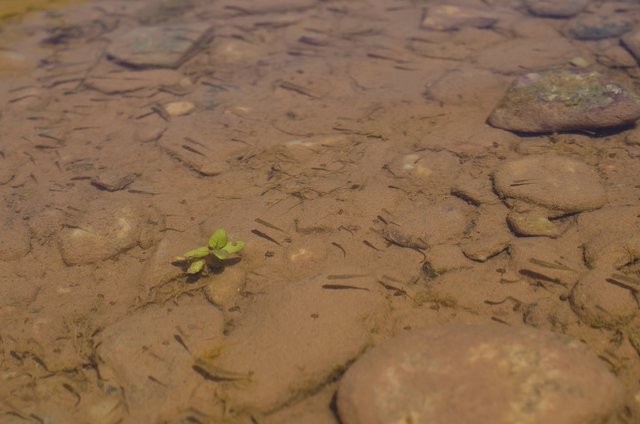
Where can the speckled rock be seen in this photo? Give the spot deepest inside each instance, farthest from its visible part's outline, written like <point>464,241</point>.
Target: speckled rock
<point>555,182</point>
<point>555,8</point>
<point>479,374</point>
<point>564,100</point>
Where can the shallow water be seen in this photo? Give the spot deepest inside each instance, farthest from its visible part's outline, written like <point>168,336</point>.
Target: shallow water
<point>346,144</point>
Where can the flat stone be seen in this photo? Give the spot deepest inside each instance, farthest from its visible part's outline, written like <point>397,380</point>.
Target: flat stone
<point>148,354</point>
<point>148,133</point>
<point>226,287</point>
<point>605,298</point>
<point>554,182</point>
<point>297,336</point>
<point>533,224</point>
<point>475,190</point>
<point>114,180</point>
<point>446,257</point>
<point>434,224</point>
<point>201,157</point>
<point>450,17</point>
<point>598,27</point>
<point>554,8</point>
<point>179,108</point>
<point>564,100</point>
<point>490,234</point>
<point>165,46</point>
<point>553,263</point>
<point>610,236</point>
<point>128,81</point>
<point>482,374</point>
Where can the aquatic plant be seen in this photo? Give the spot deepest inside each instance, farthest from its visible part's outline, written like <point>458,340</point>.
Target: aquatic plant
<point>215,255</point>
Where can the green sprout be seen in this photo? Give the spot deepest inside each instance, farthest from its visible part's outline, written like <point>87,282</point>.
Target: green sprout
<point>213,256</point>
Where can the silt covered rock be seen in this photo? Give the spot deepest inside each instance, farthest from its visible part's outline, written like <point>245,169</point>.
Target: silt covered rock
<point>565,100</point>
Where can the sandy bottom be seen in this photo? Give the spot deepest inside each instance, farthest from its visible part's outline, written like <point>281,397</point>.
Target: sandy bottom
<point>343,143</point>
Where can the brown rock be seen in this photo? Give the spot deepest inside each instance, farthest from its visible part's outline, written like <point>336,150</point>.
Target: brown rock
<point>479,374</point>
<point>145,354</point>
<point>550,262</point>
<point>632,42</point>
<point>533,224</point>
<point>298,335</point>
<point>450,17</point>
<point>554,182</point>
<point>605,298</point>
<point>490,236</point>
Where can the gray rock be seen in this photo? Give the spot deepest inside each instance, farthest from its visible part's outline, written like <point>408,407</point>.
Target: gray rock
<point>564,100</point>
<point>555,182</point>
<point>598,27</point>
<point>555,8</point>
<point>159,47</point>
<point>479,374</point>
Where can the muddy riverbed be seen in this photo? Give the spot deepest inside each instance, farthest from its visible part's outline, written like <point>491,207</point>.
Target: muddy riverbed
<point>411,179</point>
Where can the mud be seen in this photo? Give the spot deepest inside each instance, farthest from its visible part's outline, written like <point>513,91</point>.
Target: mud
<point>346,143</point>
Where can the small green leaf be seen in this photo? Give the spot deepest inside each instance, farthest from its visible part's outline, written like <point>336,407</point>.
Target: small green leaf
<point>234,246</point>
<point>198,253</point>
<point>220,254</point>
<point>218,239</point>
<point>196,267</point>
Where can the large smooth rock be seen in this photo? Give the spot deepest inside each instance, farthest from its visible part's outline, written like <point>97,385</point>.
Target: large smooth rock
<point>555,182</point>
<point>564,100</point>
<point>160,46</point>
<point>556,8</point>
<point>297,336</point>
<point>479,374</point>
<point>149,355</point>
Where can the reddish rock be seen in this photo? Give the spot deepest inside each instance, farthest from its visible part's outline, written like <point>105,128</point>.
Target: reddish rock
<point>479,374</point>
